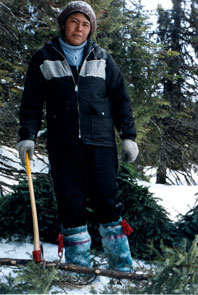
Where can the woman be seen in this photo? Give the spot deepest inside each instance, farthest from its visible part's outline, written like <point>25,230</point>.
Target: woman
<point>85,99</point>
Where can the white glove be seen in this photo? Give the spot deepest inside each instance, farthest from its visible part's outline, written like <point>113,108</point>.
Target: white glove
<point>24,146</point>
<point>129,151</point>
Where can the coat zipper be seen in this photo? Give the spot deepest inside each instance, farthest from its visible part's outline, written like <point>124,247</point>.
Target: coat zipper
<point>76,90</point>
<point>76,85</point>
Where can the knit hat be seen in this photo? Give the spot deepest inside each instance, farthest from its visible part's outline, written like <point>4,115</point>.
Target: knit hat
<point>78,6</point>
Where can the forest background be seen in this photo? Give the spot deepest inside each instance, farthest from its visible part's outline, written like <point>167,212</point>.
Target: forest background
<point>160,68</point>
<point>159,65</point>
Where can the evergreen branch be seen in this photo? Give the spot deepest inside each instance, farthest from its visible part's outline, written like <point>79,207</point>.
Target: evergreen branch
<point>5,6</point>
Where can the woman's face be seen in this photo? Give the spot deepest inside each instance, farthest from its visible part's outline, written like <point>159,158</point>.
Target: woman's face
<point>76,29</point>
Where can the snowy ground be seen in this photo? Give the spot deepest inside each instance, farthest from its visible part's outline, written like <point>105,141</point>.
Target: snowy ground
<point>24,251</point>
<point>176,199</point>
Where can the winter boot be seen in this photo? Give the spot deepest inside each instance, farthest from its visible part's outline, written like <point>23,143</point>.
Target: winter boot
<point>77,242</point>
<point>116,245</point>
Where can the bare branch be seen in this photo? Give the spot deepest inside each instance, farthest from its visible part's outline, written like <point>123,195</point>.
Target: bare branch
<point>79,269</point>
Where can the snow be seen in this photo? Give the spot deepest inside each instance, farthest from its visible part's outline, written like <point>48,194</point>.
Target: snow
<point>151,5</point>
<point>176,199</point>
<point>39,163</point>
<point>24,251</point>
<point>3,81</point>
<point>9,159</point>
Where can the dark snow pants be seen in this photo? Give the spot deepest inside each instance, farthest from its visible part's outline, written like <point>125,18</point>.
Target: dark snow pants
<point>82,172</point>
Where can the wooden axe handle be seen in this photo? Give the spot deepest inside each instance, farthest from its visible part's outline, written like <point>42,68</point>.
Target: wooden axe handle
<point>33,205</point>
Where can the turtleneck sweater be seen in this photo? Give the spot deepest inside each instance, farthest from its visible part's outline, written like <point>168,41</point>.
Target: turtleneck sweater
<point>73,54</point>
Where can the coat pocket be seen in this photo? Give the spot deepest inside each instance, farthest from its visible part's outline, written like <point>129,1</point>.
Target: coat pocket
<point>102,110</point>
<point>102,125</point>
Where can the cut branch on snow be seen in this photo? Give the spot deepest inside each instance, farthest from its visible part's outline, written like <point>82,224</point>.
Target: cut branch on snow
<point>77,268</point>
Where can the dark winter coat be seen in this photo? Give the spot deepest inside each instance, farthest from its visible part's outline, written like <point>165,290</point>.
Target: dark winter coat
<point>88,107</point>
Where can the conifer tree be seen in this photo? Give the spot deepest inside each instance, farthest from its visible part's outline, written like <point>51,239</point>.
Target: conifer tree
<point>127,37</point>
<point>138,56</point>
<point>180,89</point>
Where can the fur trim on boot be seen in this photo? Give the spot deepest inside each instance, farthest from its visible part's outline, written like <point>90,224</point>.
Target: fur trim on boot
<point>116,246</point>
<point>77,242</point>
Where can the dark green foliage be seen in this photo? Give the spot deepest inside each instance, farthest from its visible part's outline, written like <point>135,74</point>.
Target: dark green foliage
<point>32,279</point>
<point>148,219</point>
<point>188,225</point>
<point>175,271</point>
<point>15,211</point>
<point>8,286</point>
<point>35,279</point>
<point>178,129</point>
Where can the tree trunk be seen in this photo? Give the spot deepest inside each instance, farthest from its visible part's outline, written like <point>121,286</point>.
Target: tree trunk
<point>162,168</point>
